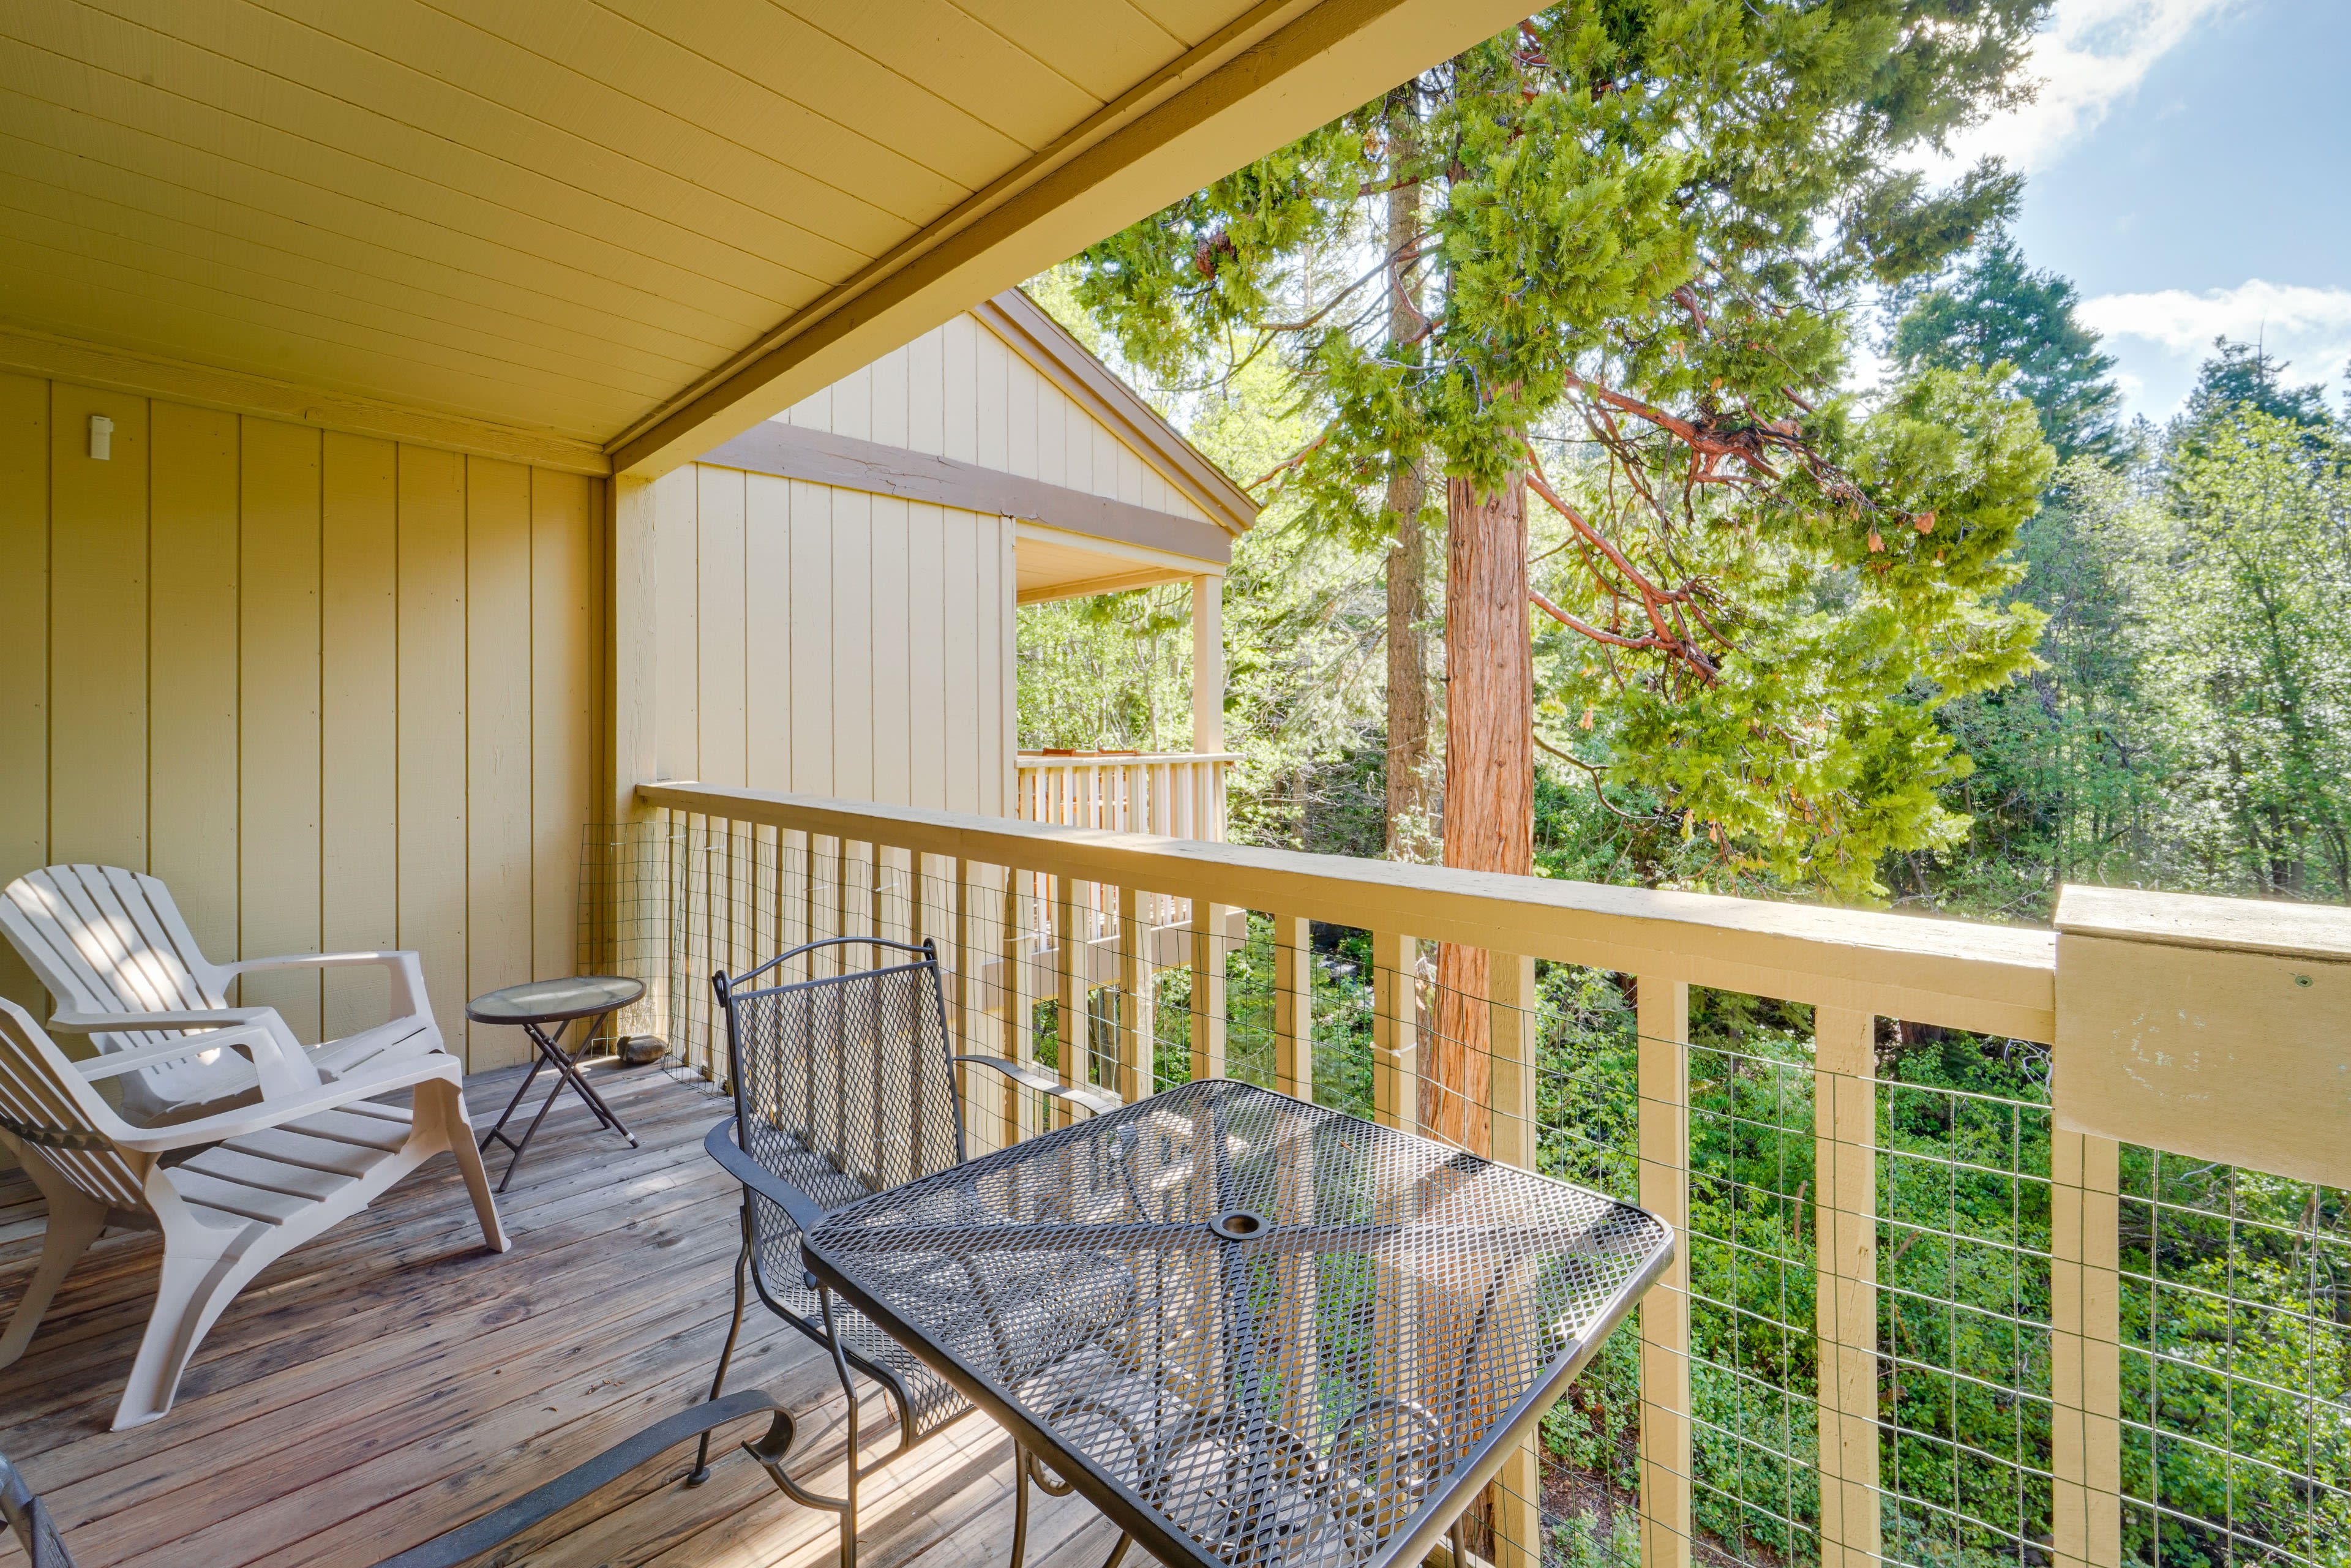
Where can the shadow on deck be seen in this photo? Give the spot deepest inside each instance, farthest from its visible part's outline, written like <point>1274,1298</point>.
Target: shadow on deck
<point>393,1379</point>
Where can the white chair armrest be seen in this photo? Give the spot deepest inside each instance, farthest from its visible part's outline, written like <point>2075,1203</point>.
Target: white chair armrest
<point>262,1045</point>
<point>277,1113</point>
<point>181,1018</point>
<point>310,961</point>
<point>284,1069</point>
<point>407,972</point>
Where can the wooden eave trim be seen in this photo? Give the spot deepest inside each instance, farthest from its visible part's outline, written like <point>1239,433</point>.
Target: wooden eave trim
<point>233,391</point>
<point>1267,77</point>
<point>1031,332</point>
<point>1955,974</point>
<point>1087,587</point>
<point>824,458</point>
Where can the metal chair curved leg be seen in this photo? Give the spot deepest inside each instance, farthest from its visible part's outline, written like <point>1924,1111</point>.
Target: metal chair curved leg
<point>701,1471</point>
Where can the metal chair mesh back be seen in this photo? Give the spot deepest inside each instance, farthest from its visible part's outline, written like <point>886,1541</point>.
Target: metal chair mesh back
<point>844,1086</point>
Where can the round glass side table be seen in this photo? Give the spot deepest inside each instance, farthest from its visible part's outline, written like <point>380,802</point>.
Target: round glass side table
<point>532,1006</point>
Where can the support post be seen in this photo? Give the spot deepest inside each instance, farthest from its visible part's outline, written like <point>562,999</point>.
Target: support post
<point>2084,1351</point>
<point>1020,1013</point>
<point>1207,665</point>
<point>1294,1008</point>
<point>1663,1023</point>
<point>1395,1030</point>
<point>959,993</point>
<point>1844,1176</point>
<point>1512,1021</point>
<point>1069,1022</point>
<point>1207,989</point>
<point>1138,1028</point>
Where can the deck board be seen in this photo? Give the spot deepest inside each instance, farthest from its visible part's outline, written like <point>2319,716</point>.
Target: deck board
<point>393,1379</point>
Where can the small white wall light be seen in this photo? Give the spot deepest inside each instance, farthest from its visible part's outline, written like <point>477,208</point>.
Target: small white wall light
<point>101,437</point>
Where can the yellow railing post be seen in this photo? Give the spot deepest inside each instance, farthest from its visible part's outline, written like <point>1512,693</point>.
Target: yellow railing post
<point>1663,1024</point>
<point>1845,1178</point>
<point>2084,1351</point>
<point>1207,989</point>
<point>1020,1014</point>
<point>1138,1027</point>
<point>1512,1021</point>
<point>1395,1030</point>
<point>1293,1006</point>
<point>1069,999</point>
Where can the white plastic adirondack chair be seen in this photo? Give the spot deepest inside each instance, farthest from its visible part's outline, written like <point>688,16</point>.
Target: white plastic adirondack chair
<point>121,967</point>
<point>280,1173</point>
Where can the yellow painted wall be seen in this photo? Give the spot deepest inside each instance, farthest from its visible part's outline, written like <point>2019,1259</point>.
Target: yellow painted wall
<point>340,692</point>
<point>829,642</point>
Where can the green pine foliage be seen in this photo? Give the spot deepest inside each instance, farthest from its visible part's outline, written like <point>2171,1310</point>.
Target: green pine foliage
<point>1997,311</point>
<point>2145,681</point>
<point>1644,230</point>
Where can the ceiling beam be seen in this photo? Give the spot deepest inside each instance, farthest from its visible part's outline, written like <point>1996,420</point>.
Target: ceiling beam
<point>1283,68</point>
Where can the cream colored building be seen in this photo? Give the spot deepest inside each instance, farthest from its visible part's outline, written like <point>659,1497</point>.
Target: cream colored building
<point>342,692</point>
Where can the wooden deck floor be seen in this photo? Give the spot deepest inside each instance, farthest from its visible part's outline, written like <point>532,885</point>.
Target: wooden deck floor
<point>393,1379</point>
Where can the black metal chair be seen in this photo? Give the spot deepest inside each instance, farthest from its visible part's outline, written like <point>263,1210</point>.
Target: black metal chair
<point>844,1086</point>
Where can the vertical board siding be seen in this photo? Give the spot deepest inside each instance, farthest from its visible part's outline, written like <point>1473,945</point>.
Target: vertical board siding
<point>719,600</point>
<point>768,631</point>
<point>341,695</point>
<point>499,914</point>
<point>97,630</point>
<point>277,715</point>
<point>24,648</point>
<point>853,645</point>
<point>564,640</point>
<point>432,578</point>
<point>192,722</point>
<point>358,756</point>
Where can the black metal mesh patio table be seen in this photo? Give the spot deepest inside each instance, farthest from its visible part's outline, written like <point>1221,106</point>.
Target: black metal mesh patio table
<point>1251,1330</point>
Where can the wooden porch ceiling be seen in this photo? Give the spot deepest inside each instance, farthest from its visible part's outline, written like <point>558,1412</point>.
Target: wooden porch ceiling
<point>609,235</point>
<point>393,1380</point>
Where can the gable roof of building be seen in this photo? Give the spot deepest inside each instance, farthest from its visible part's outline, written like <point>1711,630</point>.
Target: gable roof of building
<point>1056,354</point>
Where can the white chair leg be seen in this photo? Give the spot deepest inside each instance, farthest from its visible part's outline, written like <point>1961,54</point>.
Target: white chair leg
<point>74,1223</point>
<point>445,1103</point>
<point>189,1296</point>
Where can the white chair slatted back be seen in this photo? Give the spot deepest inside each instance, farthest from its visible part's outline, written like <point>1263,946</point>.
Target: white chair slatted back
<point>46,1103</point>
<point>104,939</point>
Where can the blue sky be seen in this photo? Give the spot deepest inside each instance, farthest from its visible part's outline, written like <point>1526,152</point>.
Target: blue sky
<point>2188,166</point>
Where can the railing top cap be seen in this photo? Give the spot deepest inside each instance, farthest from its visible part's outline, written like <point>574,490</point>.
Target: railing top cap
<point>2193,920</point>
<point>1077,758</point>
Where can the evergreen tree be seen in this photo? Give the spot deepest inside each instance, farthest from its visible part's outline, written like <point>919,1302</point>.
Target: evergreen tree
<point>1995,311</point>
<point>1647,223</point>
<point>2245,375</point>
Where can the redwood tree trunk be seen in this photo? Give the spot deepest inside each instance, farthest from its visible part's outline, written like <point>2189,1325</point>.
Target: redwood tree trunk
<point>1488,777</point>
<point>1408,760</point>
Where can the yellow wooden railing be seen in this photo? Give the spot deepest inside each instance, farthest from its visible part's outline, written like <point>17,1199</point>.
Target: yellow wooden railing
<point>1175,795</point>
<point>1027,913</point>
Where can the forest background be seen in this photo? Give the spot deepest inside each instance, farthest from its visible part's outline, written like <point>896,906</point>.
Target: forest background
<point>2187,724</point>
<point>2184,723</point>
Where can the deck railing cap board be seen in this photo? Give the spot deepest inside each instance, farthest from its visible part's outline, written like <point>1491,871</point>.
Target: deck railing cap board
<point>2192,920</point>
<point>1120,759</point>
<point>1997,979</point>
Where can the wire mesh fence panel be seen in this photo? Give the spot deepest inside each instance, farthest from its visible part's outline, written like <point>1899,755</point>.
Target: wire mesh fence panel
<point>1868,1360</point>
<point>2236,1365</point>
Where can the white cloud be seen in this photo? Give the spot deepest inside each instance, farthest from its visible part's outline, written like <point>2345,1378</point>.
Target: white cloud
<point>2173,330</point>
<point>2093,55</point>
<point>2295,322</point>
